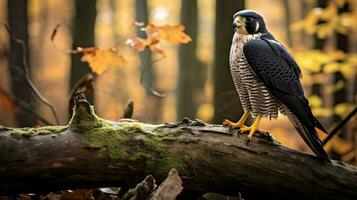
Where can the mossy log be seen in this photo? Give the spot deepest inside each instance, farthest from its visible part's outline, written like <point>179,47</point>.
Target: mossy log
<point>93,152</point>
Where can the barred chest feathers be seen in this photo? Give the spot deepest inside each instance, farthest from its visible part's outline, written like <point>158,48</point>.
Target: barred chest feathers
<point>254,95</point>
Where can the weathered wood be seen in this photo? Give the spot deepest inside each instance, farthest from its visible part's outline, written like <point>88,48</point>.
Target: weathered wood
<point>169,188</point>
<point>92,152</point>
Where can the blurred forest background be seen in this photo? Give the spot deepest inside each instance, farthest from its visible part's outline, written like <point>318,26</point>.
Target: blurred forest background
<point>194,77</point>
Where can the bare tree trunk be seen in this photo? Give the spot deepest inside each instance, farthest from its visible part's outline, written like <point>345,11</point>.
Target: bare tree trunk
<point>226,101</point>
<point>18,22</point>
<point>92,152</point>
<point>319,44</point>
<point>142,15</point>
<point>288,22</point>
<point>190,80</point>
<point>341,96</point>
<point>83,36</point>
<point>154,104</point>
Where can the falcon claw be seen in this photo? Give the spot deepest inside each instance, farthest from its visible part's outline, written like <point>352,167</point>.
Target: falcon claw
<point>231,128</point>
<point>248,141</point>
<point>239,132</point>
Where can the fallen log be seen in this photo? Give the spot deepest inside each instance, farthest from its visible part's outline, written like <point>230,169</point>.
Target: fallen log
<point>93,152</point>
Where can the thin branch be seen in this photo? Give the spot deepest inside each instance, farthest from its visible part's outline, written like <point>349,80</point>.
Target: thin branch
<point>340,125</point>
<point>147,66</point>
<point>27,74</point>
<point>143,71</point>
<point>26,107</point>
<point>53,35</point>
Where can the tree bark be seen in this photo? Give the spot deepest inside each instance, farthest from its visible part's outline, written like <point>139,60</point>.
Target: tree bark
<point>83,36</point>
<point>18,22</point>
<point>191,76</point>
<point>226,100</point>
<point>142,16</point>
<point>93,152</point>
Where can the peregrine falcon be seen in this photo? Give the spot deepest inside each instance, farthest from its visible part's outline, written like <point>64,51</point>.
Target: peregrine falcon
<point>267,79</point>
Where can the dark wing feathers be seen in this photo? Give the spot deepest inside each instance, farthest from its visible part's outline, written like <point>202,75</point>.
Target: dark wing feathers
<point>276,68</point>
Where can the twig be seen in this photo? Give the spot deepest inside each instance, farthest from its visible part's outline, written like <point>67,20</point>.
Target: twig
<point>27,74</point>
<point>340,125</point>
<point>146,85</point>
<point>53,35</point>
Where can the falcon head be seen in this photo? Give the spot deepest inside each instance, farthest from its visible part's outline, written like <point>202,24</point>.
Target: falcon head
<point>248,22</point>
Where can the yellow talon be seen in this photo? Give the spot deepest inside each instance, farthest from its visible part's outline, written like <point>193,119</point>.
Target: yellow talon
<point>252,128</point>
<point>239,124</point>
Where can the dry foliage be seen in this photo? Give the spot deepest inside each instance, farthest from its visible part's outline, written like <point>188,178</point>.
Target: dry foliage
<point>100,60</point>
<point>171,33</point>
<point>332,21</point>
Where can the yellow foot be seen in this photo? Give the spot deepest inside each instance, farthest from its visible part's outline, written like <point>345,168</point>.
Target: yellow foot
<point>252,128</point>
<point>226,122</point>
<point>239,124</point>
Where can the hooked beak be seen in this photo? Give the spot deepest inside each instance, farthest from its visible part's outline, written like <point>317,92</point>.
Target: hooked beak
<point>238,22</point>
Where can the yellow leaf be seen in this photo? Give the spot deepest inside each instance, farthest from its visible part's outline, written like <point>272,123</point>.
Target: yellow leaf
<point>322,112</point>
<point>100,60</point>
<point>315,101</point>
<point>332,67</point>
<point>348,71</point>
<point>334,88</point>
<point>337,55</point>
<point>324,30</point>
<point>343,109</point>
<point>330,12</point>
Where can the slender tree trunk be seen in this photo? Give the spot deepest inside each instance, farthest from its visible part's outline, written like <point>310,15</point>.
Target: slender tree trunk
<point>226,101</point>
<point>142,15</point>
<point>288,22</point>
<point>341,96</point>
<point>319,44</point>
<point>83,36</point>
<point>190,72</point>
<point>18,23</point>
<point>154,104</point>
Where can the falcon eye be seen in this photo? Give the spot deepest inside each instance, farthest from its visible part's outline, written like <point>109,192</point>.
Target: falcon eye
<point>249,19</point>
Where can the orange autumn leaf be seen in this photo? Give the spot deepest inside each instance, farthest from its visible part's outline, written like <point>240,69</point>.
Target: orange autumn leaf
<point>100,60</point>
<point>6,103</point>
<point>171,33</point>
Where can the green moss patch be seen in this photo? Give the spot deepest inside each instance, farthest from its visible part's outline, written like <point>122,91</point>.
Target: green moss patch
<point>30,132</point>
<point>83,120</point>
<point>135,142</point>
<point>111,137</point>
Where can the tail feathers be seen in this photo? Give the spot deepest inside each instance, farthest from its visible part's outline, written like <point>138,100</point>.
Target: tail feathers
<point>310,136</point>
<point>320,127</point>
